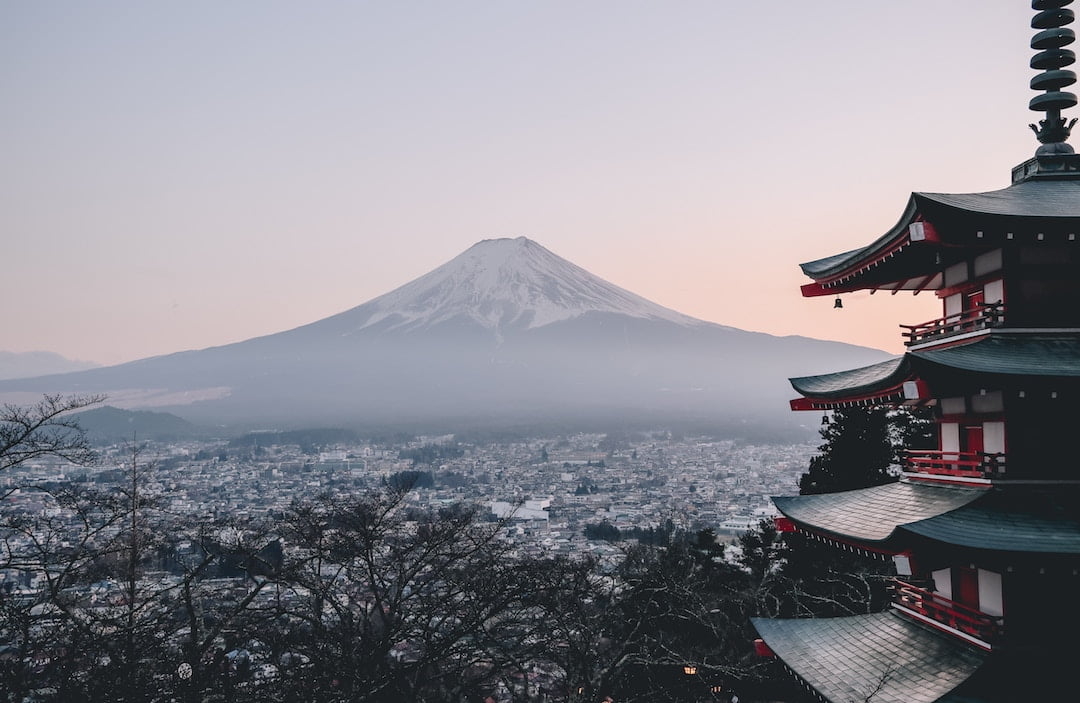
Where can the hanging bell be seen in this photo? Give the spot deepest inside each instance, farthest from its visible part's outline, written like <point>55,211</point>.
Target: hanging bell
<point>838,303</point>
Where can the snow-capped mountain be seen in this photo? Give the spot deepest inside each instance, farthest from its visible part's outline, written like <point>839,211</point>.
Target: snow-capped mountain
<point>505,333</point>
<point>500,283</point>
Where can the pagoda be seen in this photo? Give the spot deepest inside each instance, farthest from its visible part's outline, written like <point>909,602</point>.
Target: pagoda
<point>984,530</point>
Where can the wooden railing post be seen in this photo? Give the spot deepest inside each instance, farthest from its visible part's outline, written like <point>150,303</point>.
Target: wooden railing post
<point>986,315</point>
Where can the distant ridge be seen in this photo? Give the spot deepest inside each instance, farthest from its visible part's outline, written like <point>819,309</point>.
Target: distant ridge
<point>108,425</point>
<point>506,333</point>
<point>38,363</point>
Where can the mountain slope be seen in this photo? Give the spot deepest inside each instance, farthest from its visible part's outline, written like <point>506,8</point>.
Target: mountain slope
<point>508,283</point>
<point>506,332</point>
<point>497,285</point>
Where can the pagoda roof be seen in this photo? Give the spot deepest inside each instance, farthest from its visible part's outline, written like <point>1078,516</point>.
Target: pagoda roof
<point>869,515</point>
<point>863,380</point>
<point>909,255</point>
<point>999,353</point>
<point>837,263</point>
<point>883,654</point>
<point>1017,519</point>
<point>1040,199</point>
<point>1010,354</point>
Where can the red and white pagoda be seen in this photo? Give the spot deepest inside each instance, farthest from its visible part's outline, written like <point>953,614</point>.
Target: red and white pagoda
<point>984,531</point>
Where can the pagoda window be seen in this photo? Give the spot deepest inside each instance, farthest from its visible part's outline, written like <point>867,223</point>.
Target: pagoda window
<point>990,598</point>
<point>943,582</point>
<point>953,406</point>
<point>988,402</point>
<point>994,437</point>
<point>954,306</point>
<point>950,437</point>
<point>956,274</point>
<point>994,292</point>
<point>988,263</point>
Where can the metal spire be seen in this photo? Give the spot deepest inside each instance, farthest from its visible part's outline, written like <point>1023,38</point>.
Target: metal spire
<point>1051,60</point>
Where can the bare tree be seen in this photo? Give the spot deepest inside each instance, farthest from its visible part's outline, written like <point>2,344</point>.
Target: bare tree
<point>384,603</point>
<point>878,685</point>
<point>115,593</point>
<point>45,429</point>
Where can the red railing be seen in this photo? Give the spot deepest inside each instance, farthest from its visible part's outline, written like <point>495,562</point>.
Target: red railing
<point>961,464</point>
<point>955,616</point>
<point>986,315</point>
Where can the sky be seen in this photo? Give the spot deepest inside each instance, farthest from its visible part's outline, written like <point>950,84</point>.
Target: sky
<point>183,175</point>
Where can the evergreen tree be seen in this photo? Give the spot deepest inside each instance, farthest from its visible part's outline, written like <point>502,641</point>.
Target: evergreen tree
<point>862,446</point>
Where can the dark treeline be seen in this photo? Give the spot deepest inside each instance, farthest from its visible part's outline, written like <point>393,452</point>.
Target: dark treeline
<point>657,535</point>
<point>404,480</point>
<point>313,438</point>
<point>431,453</point>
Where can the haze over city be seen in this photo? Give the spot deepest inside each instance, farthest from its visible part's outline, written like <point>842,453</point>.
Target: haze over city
<point>193,175</point>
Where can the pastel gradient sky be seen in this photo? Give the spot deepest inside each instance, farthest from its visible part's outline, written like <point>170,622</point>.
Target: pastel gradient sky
<point>188,174</point>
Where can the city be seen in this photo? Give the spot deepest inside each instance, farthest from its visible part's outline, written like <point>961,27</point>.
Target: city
<point>551,488</point>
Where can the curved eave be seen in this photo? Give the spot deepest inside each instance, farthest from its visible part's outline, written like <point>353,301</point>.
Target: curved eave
<point>848,658</point>
<point>1017,520</point>
<point>853,269</point>
<point>871,516</point>
<point>911,378</point>
<point>905,257</point>
<point>878,384</point>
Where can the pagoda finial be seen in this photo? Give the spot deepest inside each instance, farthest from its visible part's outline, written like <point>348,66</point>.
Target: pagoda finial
<point>1051,18</point>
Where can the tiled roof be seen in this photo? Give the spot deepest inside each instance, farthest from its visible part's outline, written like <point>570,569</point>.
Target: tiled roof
<point>1026,199</point>
<point>836,261</point>
<point>873,514</point>
<point>1025,354</point>
<point>1014,519</point>
<point>862,380</point>
<point>822,268</point>
<point>1041,200</point>
<point>1016,354</point>
<point>849,658</point>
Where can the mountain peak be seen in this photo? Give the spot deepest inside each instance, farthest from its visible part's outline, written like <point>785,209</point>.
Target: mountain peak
<point>499,283</point>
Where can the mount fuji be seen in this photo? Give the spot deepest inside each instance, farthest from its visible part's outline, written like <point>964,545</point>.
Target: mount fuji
<point>506,333</point>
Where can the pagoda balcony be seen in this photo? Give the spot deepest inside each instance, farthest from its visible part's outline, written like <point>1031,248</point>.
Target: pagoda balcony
<point>982,465</point>
<point>967,623</point>
<point>981,318</point>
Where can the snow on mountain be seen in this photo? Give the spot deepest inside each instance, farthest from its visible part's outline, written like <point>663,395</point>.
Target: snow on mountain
<point>506,333</point>
<point>500,283</point>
